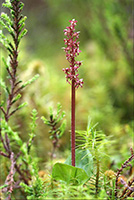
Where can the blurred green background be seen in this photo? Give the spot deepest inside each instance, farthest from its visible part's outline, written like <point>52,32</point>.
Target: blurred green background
<point>106,39</point>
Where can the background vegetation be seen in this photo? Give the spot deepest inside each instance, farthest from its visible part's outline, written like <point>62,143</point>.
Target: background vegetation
<point>106,41</point>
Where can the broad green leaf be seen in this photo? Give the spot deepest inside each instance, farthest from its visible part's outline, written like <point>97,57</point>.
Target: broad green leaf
<point>69,174</point>
<point>83,160</point>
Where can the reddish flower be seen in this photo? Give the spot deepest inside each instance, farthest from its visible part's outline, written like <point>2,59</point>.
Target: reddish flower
<point>72,51</point>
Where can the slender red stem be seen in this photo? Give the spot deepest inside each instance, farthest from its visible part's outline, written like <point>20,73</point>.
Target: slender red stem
<point>72,51</point>
<point>73,123</point>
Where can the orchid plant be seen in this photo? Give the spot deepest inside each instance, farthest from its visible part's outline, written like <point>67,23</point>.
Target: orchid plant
<point>72,51</point>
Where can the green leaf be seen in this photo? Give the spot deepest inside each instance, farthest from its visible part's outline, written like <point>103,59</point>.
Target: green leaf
<point>6,26</point>
<point>45,120</point>
<point>20,29</point>
<point>13,135</point>
<point>22,105</point>
<point>2,103</point>
<point>69,174</point>
<point>34,114</point>
<point>16,98</point>
<point>83,160</point>
<point>21,6</point>
<point>58,110</point>
<point>3,85</point>
<point>33,123</point>
<point>27,188</point>
<point>7,4</point>
<point>61,117</point>
<point>30,81</point>
<point>22,20</point>
<point>3,186</point>
<point>4,40</point>
<point>51,112</point>
<point>62,129</point>
<point>23,33</point>
<point>23,148</point>
<point>6,18</point>
<point>5,63</point>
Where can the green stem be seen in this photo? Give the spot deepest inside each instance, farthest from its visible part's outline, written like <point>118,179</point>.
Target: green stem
<point>97,177</point>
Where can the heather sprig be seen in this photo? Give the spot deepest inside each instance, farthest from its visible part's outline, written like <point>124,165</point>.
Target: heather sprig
<point>128,190</point>
<point>36,189</point>
<point>72,51</point>
<point>57,126</point>
<point>9,183</point>
<point>14,25</point>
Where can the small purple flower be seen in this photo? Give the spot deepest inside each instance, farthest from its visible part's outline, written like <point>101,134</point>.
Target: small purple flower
<point>72,51</point>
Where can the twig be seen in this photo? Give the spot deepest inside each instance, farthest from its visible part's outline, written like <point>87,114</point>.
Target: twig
<point>7,143</point>
<point>124,165</point>
<point>22,176</point>
<point>10,180</point>
<point>4,154</point>
<point>3,142</point>
<point>125,190</point>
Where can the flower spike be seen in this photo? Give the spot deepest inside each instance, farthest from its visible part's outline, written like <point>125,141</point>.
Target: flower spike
<point>72,51</point>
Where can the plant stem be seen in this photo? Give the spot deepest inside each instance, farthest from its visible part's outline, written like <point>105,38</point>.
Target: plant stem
<point>73,123</point>
<point>97,177</point>
<point>126,189</point>
<point>13,59</point>
<point>72,51</point>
